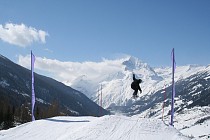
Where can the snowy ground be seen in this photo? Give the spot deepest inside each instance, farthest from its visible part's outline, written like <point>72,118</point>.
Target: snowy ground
<point>197,130</point>
<point>93,128</point>
<point>188,124</point>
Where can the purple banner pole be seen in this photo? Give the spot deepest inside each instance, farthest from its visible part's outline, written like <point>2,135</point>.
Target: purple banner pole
<point>173,87</point>
<point>32,86</point>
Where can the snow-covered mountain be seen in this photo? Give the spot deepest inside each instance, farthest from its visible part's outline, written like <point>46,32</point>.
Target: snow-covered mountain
<point>116,83</point>
<point>93,128</point>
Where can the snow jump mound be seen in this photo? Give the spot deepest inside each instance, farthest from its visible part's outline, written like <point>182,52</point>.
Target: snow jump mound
<point>111,127</point>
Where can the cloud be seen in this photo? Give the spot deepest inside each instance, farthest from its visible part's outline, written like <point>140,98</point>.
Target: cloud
<point>48,50</point>
<point>67,72</point>
<point>21,35</point>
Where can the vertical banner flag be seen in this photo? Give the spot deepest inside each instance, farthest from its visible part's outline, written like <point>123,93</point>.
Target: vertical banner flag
<point>32,86</point>
<point>173,87</point>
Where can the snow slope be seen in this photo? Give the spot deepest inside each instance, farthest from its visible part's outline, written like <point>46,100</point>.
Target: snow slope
<point>93,128</point>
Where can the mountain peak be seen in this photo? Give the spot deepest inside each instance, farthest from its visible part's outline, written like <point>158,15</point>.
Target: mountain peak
<point>131,63</point>
<point>132,58</point>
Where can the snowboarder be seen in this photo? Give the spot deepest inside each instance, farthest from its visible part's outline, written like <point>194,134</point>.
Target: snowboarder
<point>135,86</point>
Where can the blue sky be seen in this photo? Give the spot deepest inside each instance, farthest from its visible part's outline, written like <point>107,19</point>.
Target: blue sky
<point>88,30</point>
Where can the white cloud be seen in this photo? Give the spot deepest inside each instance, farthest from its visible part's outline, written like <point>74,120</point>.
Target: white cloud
<point>69,71</point>
<point>21,35</point>
<point>48,50</point>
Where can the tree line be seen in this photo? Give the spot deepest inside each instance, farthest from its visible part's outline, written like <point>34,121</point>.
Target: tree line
<point>12,115</point>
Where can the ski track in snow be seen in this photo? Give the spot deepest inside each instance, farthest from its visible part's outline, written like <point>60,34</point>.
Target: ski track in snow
<point>93,128</point>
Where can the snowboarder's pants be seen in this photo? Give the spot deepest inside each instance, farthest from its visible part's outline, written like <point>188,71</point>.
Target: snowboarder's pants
<point>135,92</point>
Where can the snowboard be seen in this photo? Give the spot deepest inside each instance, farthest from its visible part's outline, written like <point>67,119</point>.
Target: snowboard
<point>135,96</point>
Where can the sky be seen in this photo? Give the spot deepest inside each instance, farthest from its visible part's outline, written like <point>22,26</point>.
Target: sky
<point>90,30</point>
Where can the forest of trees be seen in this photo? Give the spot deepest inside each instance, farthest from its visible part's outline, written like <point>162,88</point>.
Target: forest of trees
<point>11,115</point>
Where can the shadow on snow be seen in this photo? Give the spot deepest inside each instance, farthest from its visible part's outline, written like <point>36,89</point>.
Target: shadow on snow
<point>65,121</point>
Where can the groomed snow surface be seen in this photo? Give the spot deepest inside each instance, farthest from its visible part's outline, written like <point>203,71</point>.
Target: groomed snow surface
<point>93,128</point>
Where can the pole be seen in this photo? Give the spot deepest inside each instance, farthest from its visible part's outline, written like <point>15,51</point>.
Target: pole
<point>32,87</point>
<point>173,88</point>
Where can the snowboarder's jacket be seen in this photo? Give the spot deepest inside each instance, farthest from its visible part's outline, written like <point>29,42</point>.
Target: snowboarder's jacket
<point>135,84</point>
